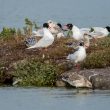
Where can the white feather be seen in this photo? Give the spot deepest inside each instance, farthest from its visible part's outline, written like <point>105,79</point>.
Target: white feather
<point>46,41</point>
<point>77,35</point>
<point>78,55</point>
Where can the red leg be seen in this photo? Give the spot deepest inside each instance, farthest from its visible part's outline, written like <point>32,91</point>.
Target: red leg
<point>77,67</point>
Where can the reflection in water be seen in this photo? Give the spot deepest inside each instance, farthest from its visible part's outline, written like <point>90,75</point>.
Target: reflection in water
<point>53,99</point>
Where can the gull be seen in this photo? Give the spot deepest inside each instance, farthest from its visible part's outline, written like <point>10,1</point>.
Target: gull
<point>97,32</point>
<point>38,33</point>
<point>56,29</point>
<point>52,27</point>
<point>77,81</point>
<point>60,31</point>
<point>46,40</point>
<point>76,33</point>
<point>86,40</point>
<point>79,55</point>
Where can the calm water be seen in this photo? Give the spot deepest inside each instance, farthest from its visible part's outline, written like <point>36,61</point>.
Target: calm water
<point>53,99</point>
<point>80,12</point>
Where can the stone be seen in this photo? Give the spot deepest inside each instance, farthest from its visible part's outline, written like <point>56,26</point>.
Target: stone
<point>100,81</point>
<point>60,83</point>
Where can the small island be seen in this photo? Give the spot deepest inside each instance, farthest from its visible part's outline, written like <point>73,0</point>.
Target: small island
<point>46,67</point>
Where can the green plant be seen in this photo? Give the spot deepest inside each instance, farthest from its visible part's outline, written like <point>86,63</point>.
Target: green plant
<point>35,73</point>
<point>29,26</point>
<point>8,33</point>
<point>97,59</point>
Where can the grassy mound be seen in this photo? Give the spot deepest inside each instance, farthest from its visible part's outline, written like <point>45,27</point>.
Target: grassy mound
<point>40,67</point>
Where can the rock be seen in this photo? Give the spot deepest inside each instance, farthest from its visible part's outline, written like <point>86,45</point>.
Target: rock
<point>91,72</point>
<point>100,81</point>
<point>99,78</point>
<point>60,83</point>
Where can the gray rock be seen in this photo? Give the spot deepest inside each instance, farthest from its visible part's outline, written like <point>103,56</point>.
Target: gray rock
<point>60,83</point>
<point>100,81</point>
<point>98,78</point>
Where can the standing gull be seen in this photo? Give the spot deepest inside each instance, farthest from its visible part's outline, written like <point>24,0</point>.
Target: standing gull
<point>47,39</point>
<point>79,55</point>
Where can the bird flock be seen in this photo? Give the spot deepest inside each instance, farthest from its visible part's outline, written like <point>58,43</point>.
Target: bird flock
<point>52,30</point>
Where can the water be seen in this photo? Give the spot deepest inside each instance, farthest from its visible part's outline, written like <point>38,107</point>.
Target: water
<point>82,13</point>
<point>53,99</point>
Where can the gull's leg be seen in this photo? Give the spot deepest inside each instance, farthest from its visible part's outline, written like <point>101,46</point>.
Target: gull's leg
<point>95,40</point>
<point>77,67</point>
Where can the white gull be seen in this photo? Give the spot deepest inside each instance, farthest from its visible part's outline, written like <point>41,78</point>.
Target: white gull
<point>47,39</point>
<point>79,55</point>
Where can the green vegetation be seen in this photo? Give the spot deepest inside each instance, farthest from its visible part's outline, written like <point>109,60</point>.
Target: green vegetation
<point>8,33</point>
<point>12,33</point>
<point>36,73</point>
<point>29,26</point>
<point>98,56</point>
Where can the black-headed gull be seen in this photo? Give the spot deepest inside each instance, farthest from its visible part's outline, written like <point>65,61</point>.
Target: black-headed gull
<point>76,33</point>
<point>96,32</point>
<point>79,55</point>
<point>47,39</point>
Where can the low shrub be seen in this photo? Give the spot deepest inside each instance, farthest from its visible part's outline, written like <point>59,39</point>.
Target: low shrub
<point>8,33</point>
<point>36,73</point>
